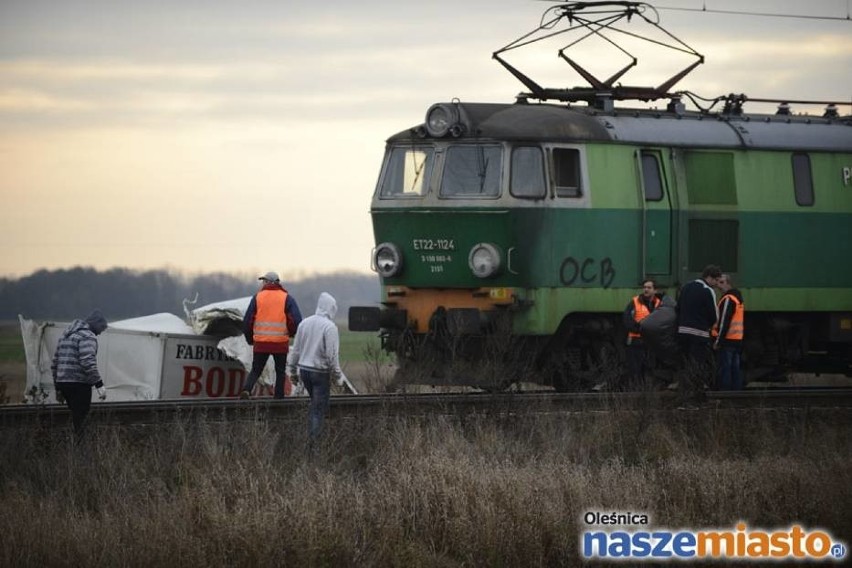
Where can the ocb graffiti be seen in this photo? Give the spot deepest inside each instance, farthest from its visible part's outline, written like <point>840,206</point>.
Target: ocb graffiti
<point>587,271</point>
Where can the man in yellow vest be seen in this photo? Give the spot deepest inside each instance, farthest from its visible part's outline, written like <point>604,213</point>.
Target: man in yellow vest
<point>271,319</point>
<point>728,336</point>
<point>638,308</point>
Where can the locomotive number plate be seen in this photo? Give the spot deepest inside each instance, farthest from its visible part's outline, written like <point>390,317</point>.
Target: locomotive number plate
<point>433,244</point>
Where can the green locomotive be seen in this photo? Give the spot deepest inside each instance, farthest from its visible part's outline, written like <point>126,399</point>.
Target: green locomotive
<point>509,237</point>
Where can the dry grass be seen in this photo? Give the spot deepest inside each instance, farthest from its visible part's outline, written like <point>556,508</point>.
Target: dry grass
<point>476,490</point>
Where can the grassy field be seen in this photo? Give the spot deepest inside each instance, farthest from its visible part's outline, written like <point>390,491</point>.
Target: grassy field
<point>12,363</point>
<point>357,345</point>
<point>485,489</point>
<point>11,344</point>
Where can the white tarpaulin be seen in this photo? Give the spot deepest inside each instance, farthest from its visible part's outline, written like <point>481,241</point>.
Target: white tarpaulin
<point>225,318</point>
<point>154,357</point>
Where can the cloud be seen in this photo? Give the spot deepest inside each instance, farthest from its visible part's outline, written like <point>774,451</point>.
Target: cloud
<point>193,111</point>
<point>15,101</point>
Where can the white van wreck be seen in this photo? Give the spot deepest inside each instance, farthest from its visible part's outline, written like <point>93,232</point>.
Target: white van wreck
<point>159,356</point>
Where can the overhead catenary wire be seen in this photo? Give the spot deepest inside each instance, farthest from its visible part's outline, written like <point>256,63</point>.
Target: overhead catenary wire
<point>606,13</point>
<point>705,9</point>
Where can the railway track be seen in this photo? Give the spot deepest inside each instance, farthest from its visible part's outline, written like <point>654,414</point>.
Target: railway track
<point>142,412</point>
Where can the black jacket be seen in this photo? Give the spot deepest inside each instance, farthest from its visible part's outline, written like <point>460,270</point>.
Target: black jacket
<point>696,309</point>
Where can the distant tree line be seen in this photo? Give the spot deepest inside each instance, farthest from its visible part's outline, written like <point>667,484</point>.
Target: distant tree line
<point>62,295</point>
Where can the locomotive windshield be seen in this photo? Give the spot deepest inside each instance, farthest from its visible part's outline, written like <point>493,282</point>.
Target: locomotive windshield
<point>472,171</point>
<point>408,172</point>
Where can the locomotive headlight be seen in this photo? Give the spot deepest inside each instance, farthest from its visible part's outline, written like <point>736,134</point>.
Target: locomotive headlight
<point>484,260</point>
<point>387,260</point>
<point>439,118</point>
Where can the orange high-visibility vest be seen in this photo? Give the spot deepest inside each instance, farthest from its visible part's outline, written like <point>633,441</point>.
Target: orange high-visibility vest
<point>737,327</point>
<point>640,312</point>
<point>270,320</point>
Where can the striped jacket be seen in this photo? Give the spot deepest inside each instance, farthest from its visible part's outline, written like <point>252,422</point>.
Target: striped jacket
<point>76,357</point>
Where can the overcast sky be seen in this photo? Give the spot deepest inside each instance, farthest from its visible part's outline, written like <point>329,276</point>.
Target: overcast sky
<point>247,136</point>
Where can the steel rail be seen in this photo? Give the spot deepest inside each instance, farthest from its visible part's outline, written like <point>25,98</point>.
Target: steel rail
<point>142,412</point>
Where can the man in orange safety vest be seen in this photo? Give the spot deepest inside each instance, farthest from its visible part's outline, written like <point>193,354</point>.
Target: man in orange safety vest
<point>638,308</point>
<point>271,319</point>
<point>728,336</point>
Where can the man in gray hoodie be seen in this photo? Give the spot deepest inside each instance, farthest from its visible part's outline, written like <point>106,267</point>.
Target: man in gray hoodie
<point>315,356</point>
<point>75,367</point>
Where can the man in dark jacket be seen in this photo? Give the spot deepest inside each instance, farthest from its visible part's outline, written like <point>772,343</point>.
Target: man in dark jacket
<point>696,316</point>
<point>75,368</point>
<point>271,319</point>
<point>728,336</point>
<point>659,332</point>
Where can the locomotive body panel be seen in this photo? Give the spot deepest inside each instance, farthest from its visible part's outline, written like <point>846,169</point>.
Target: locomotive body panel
<point>576,207</point>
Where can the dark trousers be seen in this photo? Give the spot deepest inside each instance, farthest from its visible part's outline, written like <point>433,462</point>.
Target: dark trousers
<point>318,385</point>
<point>728,364</point>
<point>698,366</point>
<point>257,365</point>
<point>78,397</point>
<point>639,362</point>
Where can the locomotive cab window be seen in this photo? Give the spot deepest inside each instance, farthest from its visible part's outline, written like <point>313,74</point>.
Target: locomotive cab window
<point>408,171</point>
<point>527,177</point>
<point>803,183</point>
<point>651,181</point>
<point>472,171</point>
<point>565,167</point>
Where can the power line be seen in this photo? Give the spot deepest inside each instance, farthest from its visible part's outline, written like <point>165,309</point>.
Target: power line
<point>762,14</point>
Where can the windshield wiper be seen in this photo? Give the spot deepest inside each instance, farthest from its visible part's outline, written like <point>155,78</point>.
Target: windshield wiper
<point>482,163</point>
<point>417,170</point>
